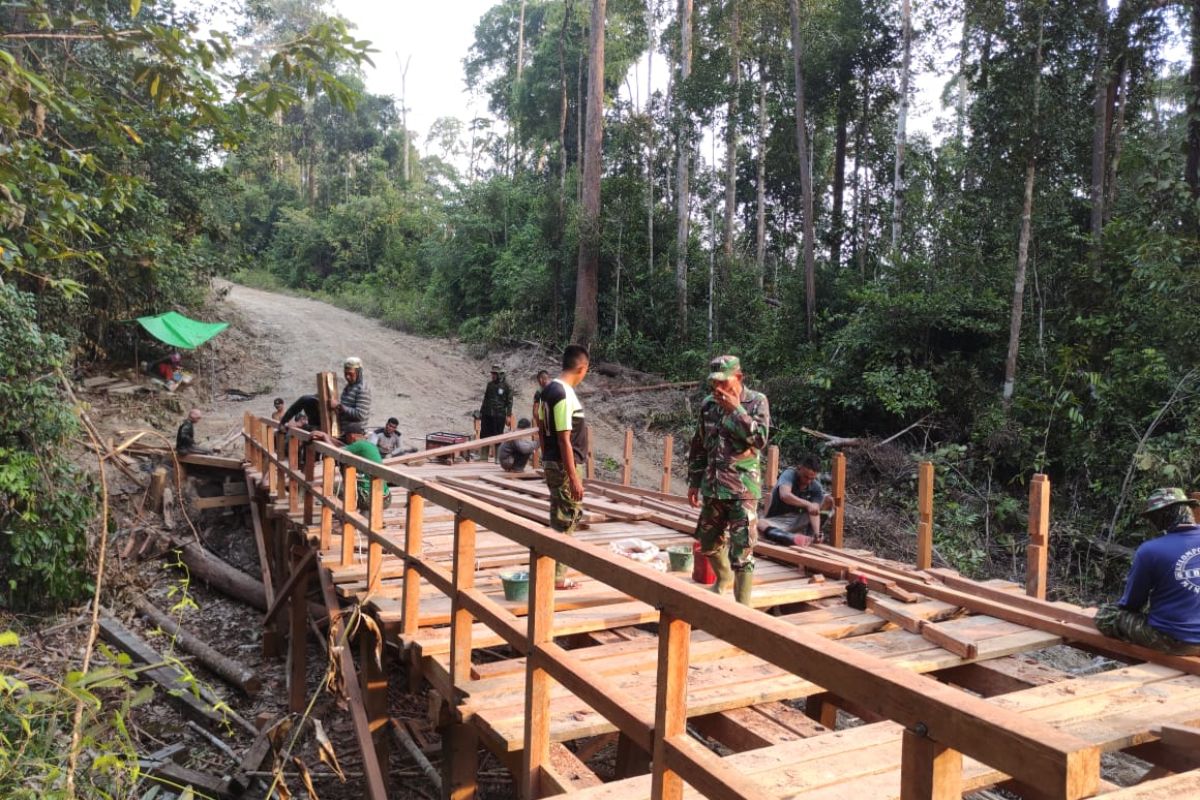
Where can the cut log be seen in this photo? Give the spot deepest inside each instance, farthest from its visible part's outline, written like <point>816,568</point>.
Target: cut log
<point>228,669</point>
<point>227,580</point>
<point>158,483</point>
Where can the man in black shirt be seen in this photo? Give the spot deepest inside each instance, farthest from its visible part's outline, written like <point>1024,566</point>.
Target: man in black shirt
<point>796,504</point>
<point>565,438</point>
<point>185,437</point>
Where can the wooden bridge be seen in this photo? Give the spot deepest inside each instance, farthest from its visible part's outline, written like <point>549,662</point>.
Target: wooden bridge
<point>697,693</point>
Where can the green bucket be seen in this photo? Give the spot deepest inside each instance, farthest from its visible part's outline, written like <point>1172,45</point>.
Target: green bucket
<point>516,585</point>
<point>681,557</point>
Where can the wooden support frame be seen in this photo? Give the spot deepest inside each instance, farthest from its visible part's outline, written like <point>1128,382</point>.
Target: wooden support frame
<point>374,548</point>
<point>372,655</point>
<point>668,462</point>
<point>925,515</point>
<point>350,507</point>
<point>413,547</point>
<point>463,577</point>
<point>929,770</point>
<point>299,569</point>
<point>537,679</point>
<point>328,473</point>
<point>838,529</point>
<point>1036,562</point>
<point>591,464</point>
<point>293,486</point>
<point>310,470</point>
<point>772,474</point>
<point>298,635</point>
<point>627,455</point>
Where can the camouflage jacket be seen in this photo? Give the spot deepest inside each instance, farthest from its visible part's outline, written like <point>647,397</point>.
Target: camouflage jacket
<point>723,460</point>
<point>497,399</point>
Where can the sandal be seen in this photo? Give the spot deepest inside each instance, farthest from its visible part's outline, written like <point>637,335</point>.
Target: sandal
<point>566,584</point>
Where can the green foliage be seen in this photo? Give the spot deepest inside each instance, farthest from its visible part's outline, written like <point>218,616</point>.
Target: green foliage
<point>46,504</point>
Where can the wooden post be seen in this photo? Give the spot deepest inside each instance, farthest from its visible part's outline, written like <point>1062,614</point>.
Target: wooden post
<point>1039,537</point>
<point>925,512</point>
<point>772,476</point>
<point>350,505</point>
<point>483,451</point>
<point>591,464</point>
<point>326,392</point>
<point>310,471</point>
<point>668,462</point>
<point>929,770</point>
<point>328,471</point>
<point>298,640</point>
<point>460,761</point>
<point>670,704</point>
<point>373,657</point>
<point>627,470</point>
<point>248,449</point>
<point>461,619</point>
<point>268,439</point>
<point>839,499</point>
<point>158,485</point>
<point>374,548</point>
<point>412,579</point>
<point>537,680</point>
<point>280,484</point>
<point>293,451</point>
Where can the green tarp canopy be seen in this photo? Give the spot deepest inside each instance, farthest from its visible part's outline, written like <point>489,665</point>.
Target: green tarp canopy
<point>180,331</point>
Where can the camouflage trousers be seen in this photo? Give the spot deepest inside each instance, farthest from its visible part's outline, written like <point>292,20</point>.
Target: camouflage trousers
<point>729,524</point>
<point>565,510</point>
<point>1133,626</point>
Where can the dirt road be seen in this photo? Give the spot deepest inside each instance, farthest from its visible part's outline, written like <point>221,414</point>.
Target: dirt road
<point>428,384</point>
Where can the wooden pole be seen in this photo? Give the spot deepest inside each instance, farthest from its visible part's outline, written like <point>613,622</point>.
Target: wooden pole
<point>328,471</point>
<point>231,671</point>
<point>668,461</point>
<point>925,512</point>
<point>627,471</point>
<point>413,520</point>
<point>374,548</point>
<point>772,475</point>
<point>537,680</point>
<point>461,619</point>
<point>310,471</point>
<point>298,641</point>
<point>1039,537</point>
<point>350,505</point>
<point>268,440</point>
<point>280,448</point>
<point>839,499</point>
<point>670,705</point>
<point>929,770</point>
<point>591,464</point>
<point>374,679</point>
<point>248,449</point>
<point>293,455</point>
<point>158,485</point>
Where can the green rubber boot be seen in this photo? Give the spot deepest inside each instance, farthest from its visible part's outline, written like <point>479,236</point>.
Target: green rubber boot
<point>720,565</point>
<point>743,586</point>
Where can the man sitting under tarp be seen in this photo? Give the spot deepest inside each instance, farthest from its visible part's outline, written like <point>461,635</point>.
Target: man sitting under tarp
<point>1165,577</point>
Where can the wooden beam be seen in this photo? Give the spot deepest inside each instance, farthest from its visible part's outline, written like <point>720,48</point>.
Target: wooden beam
<point>221,501</point>
<point>349,506</point>
<point>310,474</point>
<point>929,770</point>
<point>668,462</point>
<point>772,476</point>
<point>537,679</point>
<point>411,602</point>
<point>326,394</point>
<point>374,549</point>
<point>1181,737</point>
<point>925,515</point>
<point>1039,537</point>
<point>293,487</point>
<point>328,472</point>
<point>670,705</point>
<point>372,655</point>
<point>285,591</point>
<point>298,634</point>
<point>627,469</point>
<point>837,532</point>
<point>460,761</point>
<point>461,618</point>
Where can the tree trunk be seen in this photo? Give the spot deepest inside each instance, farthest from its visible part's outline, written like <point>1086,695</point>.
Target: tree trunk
<point>682,193</point>
<point>1192,169</point>
<point>1117,138</point>
<point>587,278</point>
<point>901,129</point>
<point>1099,123</point>
<point>230,670</point>
<point>836,225</point>
<point>806,188</point>
<point>760,232</point>
<point>731,136</point>
<point>404,114</point>
<point>650,42</point>
<point>563,110</point>
<point>515,98</point>
<point>1014,330</point>
<point>860,183</point>
<point>960,123</point>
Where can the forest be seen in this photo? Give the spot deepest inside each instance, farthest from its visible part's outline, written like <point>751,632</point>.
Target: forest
<point>1020,279</point>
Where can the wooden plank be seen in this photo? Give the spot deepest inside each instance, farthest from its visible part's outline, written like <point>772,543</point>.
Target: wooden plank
<point>349,507</point>
<point>963,648</point>
<point>463,577</point>
<point>1171,788</point>
<point>207,460</point>
<point>536,751</point>
<point>670,707</point>
<point>374,548</point>
<point>1182,737</point>
<point>414,546</point>
<point>285,591</point>
<point>326,398</point>
<point>772,476</point>
<point>328,471</point>
<point>668,462</point>
<point>627,469</point>
<point>925,515</point>
<point>222,501</point>
<point>298,634</point>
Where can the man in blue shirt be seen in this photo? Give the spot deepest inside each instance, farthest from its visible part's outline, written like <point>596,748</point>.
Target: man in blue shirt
<point>1166,576</point>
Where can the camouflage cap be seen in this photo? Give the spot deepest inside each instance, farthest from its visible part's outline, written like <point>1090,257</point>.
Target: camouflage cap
<point>1161,498</point>
<point>723,368</point>
<point>498,369</point>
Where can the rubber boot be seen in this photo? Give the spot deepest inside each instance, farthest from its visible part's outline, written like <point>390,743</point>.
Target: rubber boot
<point>743,586</point>
<point>720,565</point>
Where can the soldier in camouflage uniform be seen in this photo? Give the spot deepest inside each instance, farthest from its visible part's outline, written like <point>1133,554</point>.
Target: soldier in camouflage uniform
<point>1165,577</point>
<point>496,410</point>
<point>724,470</point>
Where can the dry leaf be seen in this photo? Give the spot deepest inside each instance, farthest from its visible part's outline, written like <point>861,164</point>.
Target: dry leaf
<point>325,750</point>
<point>377,638</point>
<point>281,788</point>
<point>304,776</point>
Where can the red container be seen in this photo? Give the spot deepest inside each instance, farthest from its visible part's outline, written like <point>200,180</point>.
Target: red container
<point>702,571</point>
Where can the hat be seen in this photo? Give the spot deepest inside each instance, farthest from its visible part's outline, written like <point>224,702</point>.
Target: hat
<point>352,362</point>
<point>353,427</point>
<point>722,368</point>
<point>497,368</point>
<point>1161,498</point>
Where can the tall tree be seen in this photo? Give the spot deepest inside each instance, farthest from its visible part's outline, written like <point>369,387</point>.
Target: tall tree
<point>901,126</point>
<point>760,180</point>
<point>1192,167</point>
<point>651,30</point>
<point>731,132</point>
<point>1099,121</point>
<point>682,192</point>
<point>1018,300</point>
<point>587,280</point>
<point>806,188</point>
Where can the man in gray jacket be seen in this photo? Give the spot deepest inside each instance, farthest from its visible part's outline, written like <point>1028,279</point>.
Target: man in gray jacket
<point>355,405</point>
